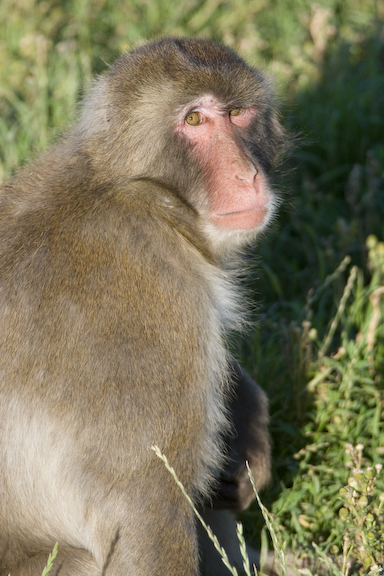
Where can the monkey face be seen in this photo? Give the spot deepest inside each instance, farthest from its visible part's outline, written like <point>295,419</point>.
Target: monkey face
<point>237,196</point>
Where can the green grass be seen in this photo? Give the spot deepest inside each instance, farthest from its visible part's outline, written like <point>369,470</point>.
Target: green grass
<point>319,342</point>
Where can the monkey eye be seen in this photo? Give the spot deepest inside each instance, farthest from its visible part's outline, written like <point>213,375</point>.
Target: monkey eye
<point>194,118</point>
<point>235,112</point>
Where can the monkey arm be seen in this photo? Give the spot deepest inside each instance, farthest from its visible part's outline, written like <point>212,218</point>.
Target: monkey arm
<point>248,441</point>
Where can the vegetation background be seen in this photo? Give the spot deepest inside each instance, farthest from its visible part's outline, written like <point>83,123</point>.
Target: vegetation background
<point>318,344</point>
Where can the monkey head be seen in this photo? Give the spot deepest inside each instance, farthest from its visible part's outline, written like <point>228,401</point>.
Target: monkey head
<point>193,117</point>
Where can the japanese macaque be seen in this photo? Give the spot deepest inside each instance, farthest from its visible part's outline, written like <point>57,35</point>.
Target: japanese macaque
<point>118,259</point>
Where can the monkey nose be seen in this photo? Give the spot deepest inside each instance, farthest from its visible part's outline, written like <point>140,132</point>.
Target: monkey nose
<point>247,175</point>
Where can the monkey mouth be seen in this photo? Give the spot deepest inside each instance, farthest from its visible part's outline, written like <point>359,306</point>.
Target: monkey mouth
<point>250,219</point>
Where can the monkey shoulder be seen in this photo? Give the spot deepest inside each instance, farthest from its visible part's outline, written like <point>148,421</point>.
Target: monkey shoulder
<point>72,242</point>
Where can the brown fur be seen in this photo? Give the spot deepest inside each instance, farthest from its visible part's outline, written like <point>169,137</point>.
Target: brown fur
<point>114,304</point>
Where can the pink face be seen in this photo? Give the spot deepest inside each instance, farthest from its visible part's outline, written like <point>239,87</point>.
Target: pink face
<point>238,197</point>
